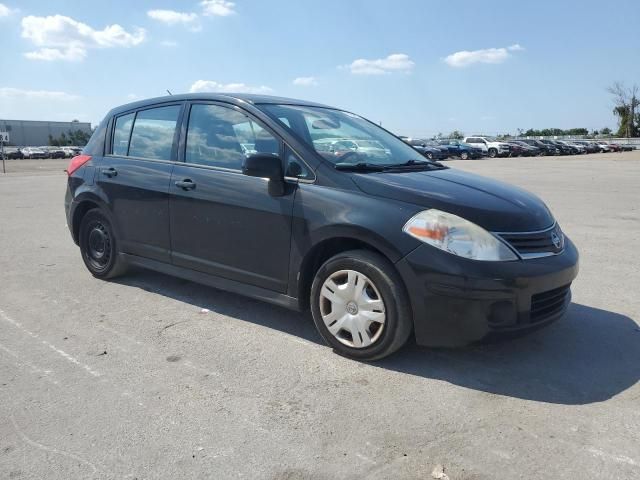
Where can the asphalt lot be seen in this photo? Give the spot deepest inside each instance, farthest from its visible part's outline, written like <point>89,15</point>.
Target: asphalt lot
<point>133,379</point>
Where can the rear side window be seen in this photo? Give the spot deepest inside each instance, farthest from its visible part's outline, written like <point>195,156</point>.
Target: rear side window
<point>153,133</point>
<point>95,145</point>
<point>121,134</point>
<point>222,137</point>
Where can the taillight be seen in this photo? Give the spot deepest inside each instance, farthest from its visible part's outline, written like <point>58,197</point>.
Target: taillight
<point>77,162</point>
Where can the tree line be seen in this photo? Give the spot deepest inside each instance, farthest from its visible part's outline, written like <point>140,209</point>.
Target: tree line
<point>545,132</point>
<point>76,138</point>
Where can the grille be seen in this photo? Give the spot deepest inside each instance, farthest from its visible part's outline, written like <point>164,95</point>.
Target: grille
<point>531,244</point>
<point>549,303</point>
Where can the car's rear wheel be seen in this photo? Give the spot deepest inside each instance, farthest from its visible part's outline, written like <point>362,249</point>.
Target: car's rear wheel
<point>359,305</point>
<point>464,156</point>
<point>98,246</point>
<point>430,155</point>
<point>493,153</point>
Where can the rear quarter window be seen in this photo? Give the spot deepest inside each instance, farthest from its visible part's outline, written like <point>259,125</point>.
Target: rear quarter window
<point>95,145</point>
<point>121,134</point>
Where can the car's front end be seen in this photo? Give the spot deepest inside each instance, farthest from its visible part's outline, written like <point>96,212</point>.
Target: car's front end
<point>490,259</point>
<point>504,150</point>
<point>457,301</point>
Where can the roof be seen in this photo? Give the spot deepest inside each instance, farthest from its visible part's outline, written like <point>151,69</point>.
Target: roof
<point>234,98</point>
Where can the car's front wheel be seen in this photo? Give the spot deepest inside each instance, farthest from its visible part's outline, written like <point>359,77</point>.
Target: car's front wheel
<point>464,156</point>
<point>359,305</point>
<point>98,246</point>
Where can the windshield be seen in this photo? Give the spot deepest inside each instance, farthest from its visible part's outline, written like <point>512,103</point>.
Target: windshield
<point>340,136</point>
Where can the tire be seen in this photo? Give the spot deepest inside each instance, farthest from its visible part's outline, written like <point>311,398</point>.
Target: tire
<point>493,153</point>
<point>430,156</point>
<point>464,156</point>
<point>382,296</point>
<point>99,246</point>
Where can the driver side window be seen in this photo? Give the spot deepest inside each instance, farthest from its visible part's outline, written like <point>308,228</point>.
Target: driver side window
<point>223,137</point>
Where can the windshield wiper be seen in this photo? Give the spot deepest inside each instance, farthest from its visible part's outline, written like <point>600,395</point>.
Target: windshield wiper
<point>360,167</point>
<point>416,164</point>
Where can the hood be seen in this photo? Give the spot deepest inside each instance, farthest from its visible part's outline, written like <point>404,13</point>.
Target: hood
<point>493,205</point>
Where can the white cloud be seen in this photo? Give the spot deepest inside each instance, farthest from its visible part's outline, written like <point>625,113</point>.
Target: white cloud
<point>21,94</point>
<point>211,86</point>
<point>171,17</point>
<point>70,54</point>
<point>305,82</point>
<point>6,11</point>
<point>398,62</point>
<point>63,38</point>
<point>217,8</point>
<point>465,58</point>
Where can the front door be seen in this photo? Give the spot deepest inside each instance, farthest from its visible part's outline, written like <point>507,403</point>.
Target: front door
<point>223,222</point>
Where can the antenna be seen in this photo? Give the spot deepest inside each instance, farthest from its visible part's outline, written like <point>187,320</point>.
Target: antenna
<point>169,92</point>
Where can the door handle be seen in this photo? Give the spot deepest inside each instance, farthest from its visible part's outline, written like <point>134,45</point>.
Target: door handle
<point>110,172</point>
<point>186,184</point>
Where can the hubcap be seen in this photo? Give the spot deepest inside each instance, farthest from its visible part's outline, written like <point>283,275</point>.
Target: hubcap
<point>352,308</point>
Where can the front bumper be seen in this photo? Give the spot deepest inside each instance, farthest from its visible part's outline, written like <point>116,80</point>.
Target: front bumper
<point>456,301</point>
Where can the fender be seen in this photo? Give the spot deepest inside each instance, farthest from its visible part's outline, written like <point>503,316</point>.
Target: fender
<point>87,194</point>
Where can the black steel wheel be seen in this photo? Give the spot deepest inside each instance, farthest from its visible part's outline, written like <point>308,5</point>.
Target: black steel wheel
<point>98,246</point>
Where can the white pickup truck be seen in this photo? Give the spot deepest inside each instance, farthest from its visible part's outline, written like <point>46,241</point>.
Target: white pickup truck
<point>490,146</point>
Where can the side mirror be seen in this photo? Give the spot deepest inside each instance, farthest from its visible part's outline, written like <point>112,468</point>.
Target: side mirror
<point>269,166</point>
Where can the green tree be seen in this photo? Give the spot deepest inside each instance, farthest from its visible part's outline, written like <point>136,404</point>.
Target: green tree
<point>606,131</point>
<point>457,135</point>
<point>73,137</point>
<point>626,101</point>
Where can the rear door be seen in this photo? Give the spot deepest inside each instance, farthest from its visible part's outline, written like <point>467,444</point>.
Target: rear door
<point>135,177</point>
<point>225,223</point>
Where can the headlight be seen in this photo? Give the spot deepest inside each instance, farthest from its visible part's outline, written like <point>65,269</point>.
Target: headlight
<point>456,235</point>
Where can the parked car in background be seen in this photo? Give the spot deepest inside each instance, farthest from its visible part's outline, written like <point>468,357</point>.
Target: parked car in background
<point>457,148</point>
<point>343,146</point>
<point>577,148</point>
<point>517,150</point>
<point>545,148</point>
<point>490,146</point>
<point>564,149</point>
<point>13,153</point>
<point>33,152</point>
<point>528,150</point>
<point>379,249</point>
<point>71,151</point>
<point>431,151</point>
<point>590,147</point>
<point>615,147</point>
<point>622,147</point>
<point>53,152</point>
<point>604,146</point>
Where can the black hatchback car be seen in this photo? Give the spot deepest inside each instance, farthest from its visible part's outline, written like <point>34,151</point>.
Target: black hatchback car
<point>233,191</point>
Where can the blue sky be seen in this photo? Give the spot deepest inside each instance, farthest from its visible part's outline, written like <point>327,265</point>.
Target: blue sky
<point>420,67</point>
